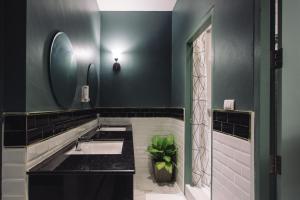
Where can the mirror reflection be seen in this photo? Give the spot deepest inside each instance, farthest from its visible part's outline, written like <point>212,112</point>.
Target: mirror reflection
<point>63,70</point>
<point>92,81</point>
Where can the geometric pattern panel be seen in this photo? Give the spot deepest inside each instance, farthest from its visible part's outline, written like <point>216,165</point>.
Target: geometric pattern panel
<point>201,120</point>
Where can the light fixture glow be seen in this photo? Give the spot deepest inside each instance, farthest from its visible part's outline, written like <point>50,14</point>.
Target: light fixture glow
<point>116,57</point>
<point>116,54</point>
<point>84,53</point>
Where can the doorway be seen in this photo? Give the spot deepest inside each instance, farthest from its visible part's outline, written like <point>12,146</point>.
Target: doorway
<point>201,116</point>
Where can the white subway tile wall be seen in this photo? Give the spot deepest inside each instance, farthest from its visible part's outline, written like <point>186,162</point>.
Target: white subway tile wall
<point>16,161</point>
<point>38,152</point>
<point>13,174</point>
<point>232,168</point>
<point>143,130</point>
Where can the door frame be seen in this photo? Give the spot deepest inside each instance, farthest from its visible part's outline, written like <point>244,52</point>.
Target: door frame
<point>275,73</point>
<point>263,47</point>
<point>208,20</point>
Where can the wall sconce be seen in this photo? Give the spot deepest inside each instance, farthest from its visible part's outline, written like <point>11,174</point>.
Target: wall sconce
<point>116,66</point>
<point>116,56</point>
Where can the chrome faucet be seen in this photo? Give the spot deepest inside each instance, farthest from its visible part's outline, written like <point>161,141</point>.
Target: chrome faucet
<point>77,146</point>
<point>99,123</point>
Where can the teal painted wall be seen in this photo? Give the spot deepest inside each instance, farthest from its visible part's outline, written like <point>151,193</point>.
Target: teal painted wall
<point>234,47</point>
<point>289,148</point>
<point>262,99</point>
<point>144,39</point>
<point>1,79</point>
<point>1,54</point>
<point>80,20</point>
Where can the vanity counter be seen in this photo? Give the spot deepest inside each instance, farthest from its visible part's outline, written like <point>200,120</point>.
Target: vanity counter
<point>64,164</point>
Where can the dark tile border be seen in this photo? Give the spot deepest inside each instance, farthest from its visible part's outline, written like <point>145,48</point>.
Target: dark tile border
<point>21,129</point>
<point>177,113</point>
<point>235,123</point>
<point>25,129</point>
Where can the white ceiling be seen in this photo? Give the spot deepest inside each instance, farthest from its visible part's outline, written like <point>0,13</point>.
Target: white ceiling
<point>136,5</point>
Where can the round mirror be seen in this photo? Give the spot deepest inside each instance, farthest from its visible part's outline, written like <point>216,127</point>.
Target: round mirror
<point>92,81</point>
<point>63,70</point>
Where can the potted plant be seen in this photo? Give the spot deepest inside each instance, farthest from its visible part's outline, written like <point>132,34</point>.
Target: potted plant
<point>163,152</point>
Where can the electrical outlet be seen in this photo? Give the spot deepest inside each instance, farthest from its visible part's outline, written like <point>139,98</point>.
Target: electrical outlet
<point>229,104</point>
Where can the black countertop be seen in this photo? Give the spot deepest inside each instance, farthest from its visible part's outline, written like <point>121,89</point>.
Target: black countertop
<point>61,163</point>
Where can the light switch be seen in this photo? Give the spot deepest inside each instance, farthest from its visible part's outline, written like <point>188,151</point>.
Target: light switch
<point>229,104</point>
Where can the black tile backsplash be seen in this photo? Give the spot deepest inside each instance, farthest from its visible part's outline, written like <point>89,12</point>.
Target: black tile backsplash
<point>142,112</point>
<point>42,120</point>
<point>15,122</point>
<point>222,116</point>
<point>227,128</point>
<point>31,122</point>
<point>25,129</point>
<point>48,132</point>
<point>239,118</point>
<point>15,138</point>
<point>234,123</point>
<point>217,125</point>
<point>34,135</point>
<point>28,128</point>
<point>242,131</point>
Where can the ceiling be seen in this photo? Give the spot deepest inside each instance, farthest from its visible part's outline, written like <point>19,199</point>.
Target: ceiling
<point>136,5</point>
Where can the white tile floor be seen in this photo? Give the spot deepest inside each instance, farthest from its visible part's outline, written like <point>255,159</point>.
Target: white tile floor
<point>146,189</point>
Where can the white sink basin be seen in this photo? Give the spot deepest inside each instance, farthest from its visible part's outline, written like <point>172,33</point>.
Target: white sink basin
<point>112,129</point>
<point>98,148</point>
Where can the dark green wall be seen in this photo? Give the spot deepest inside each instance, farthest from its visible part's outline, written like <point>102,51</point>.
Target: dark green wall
<point>1,79</point>
<point>80,20</point>
<point>145,41</point>
<point>14,68</point>
<point>289,135</point>
<point>262,99</point>
<point>1,53</point>
<point>233,30</point>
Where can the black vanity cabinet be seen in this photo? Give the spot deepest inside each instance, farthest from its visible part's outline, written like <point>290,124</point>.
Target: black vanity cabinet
<point>81,187</point>
<point>86,177</point>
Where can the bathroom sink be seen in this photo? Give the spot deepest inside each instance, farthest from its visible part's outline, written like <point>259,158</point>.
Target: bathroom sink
<point>112,129</point>
<point>98,148</point>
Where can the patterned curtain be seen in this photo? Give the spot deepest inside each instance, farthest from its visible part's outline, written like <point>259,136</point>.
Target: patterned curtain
<point>201,122</point>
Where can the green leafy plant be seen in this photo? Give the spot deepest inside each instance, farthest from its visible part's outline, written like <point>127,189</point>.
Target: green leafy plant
<point>163,151</point>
